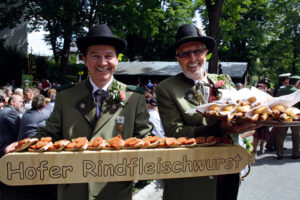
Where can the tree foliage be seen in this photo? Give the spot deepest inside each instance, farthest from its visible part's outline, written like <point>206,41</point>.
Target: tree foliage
<point>146,25</point>
<point>11,13</point>
<point>264,34</point>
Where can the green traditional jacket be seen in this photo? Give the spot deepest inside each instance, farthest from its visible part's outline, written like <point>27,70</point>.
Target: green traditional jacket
<point>175,96</point>
<point>74,115</point>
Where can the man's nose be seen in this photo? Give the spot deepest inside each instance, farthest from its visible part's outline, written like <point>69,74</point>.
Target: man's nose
<point>192,56</point>
<point>102,61</point>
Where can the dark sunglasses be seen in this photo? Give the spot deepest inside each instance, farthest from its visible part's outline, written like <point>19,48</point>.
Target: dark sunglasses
<point>187,54</point>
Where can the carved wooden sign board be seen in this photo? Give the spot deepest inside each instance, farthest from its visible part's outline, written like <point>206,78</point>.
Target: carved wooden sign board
<point>120,165</point>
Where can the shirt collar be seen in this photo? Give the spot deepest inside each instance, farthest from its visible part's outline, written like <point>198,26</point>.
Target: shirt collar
<point>95,87</point>
<point>203,80</point>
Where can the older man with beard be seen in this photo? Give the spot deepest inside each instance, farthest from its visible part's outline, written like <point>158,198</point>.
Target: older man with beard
<point>178,94</point>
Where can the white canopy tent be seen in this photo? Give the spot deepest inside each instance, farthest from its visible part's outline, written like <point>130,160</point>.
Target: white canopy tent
<point>237,70</point>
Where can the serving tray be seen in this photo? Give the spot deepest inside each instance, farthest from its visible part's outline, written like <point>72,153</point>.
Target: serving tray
<point>31,168</point>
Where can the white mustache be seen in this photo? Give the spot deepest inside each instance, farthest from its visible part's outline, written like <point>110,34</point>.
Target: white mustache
<point>194,64</point>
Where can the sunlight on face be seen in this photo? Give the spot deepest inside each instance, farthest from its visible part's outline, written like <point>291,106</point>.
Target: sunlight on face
<point>101,61</point>
<point>191,56</point>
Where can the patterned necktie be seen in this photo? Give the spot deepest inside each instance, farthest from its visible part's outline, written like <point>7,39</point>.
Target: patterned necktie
<point>200,87</point>
<point>100,96</point>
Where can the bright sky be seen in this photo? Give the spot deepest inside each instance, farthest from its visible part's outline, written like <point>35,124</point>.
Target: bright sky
<point>37,45</point>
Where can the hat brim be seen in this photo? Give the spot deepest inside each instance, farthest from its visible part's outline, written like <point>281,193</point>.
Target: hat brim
<point>207,40</point>
<point>84,42</point>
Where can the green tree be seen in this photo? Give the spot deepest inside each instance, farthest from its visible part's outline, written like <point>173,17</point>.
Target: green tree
<point>262,33</point>
<point>211,11</point>
<point>63,19</point>
<point>11,13</point>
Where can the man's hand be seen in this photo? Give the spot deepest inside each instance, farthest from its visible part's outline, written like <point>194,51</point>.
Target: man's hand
<point>10,148</point>
<point>237,128</point>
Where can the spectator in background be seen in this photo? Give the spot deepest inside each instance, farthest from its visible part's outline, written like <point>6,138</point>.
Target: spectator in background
<point>47,101</point>
<point>46,84</point>
<point>36,91</point>
<point>262,86</point>
<point>150,84</point>
<point>261,134</point>
<point>3,100</point>
<point>41,88</point>
<point>10,86</point>
<point>148,95</point>
<point>33,118</point>
<point>50,91</point>
<point>19,91</point>
<point>50,106</point>
<point>239,86</point>
<point>280,132</point>
<point>10,122</point>
<point>55,85</point>
<point>8,91</point>
<point>155,119</point>
<point>283,81</point>
<point>28,95</point>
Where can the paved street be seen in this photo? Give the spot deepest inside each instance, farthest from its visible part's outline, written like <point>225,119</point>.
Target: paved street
<point>269,179</point>
<point>272,179</point>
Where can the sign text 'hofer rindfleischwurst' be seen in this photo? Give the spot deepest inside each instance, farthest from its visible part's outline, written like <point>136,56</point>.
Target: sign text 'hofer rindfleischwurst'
<point>123,165</point>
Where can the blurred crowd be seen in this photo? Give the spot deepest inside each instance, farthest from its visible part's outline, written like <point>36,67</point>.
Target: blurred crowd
<point>22,112</point>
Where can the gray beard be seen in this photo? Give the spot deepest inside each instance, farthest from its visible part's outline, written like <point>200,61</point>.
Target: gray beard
<point>196,75</point>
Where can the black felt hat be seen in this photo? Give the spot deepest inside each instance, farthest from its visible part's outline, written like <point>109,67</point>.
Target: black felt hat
<point>100,34</point>
<point>188,33</point>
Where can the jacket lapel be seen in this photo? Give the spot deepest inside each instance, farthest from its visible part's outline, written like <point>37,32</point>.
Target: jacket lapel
<point>194,97</point>
<point>86,106</point>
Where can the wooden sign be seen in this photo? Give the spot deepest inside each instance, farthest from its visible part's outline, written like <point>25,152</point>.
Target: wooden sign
<point>30,168</point>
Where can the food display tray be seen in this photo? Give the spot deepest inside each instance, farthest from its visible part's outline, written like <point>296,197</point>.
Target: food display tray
<point>278,124</point>
<point>30,168</point>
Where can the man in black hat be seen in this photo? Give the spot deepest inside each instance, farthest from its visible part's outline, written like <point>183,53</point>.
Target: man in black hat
<point>175,95</point>
<point>98,106</point>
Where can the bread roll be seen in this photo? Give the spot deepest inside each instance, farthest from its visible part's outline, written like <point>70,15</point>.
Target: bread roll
<point>277,108</point>
<point>228,108</point>
<point>251,100</point>
<point>243,109</point>
<point>214,107</point>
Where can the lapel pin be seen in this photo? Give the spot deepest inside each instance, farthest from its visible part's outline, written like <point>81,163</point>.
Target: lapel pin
<point>82,105</point>
<point>190,96</point>
<point>120,120</point>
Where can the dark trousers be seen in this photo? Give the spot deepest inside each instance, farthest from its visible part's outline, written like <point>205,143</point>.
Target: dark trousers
<point>37,192</point>
<point>280,137</point>
<point>271,142</point>
<point>228,186</point>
